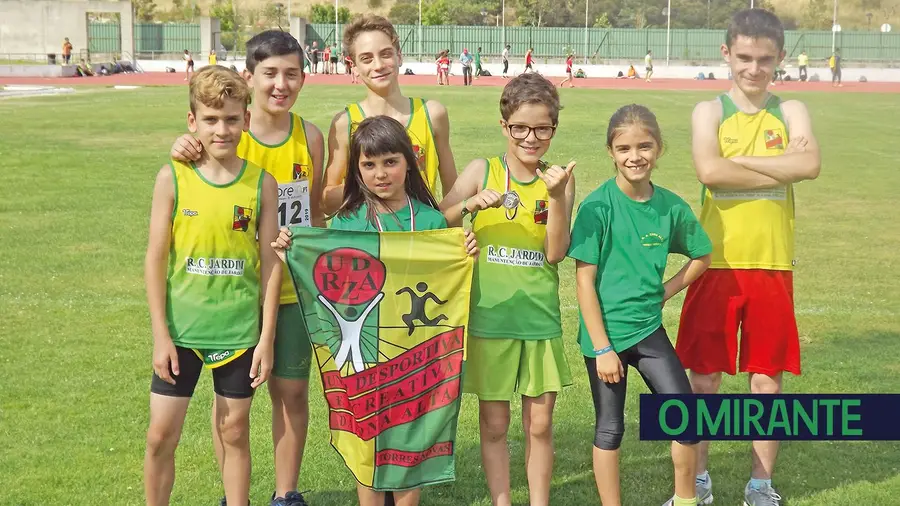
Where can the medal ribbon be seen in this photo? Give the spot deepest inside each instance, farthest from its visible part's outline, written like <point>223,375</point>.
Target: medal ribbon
<point>412,217</point>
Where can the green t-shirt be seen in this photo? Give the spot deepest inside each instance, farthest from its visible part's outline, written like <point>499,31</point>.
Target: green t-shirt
<point>478,59</point>
<point>629,242</point>
<point>426,218</point>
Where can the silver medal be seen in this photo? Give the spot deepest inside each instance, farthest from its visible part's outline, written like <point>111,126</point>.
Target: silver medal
<point>511,200</point>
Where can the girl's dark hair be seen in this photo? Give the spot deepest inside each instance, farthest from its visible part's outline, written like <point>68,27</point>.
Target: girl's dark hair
<point>376,136</point>
<point>633,114</point>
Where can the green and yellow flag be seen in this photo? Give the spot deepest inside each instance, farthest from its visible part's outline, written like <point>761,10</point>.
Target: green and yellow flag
<point>387,316</point>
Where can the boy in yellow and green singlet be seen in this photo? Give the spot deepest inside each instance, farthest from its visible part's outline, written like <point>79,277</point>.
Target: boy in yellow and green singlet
<point>292,150</point>
<point>749,148</point>
<point>204,289</point>
<point>523,213</point>
<point>374,47</point>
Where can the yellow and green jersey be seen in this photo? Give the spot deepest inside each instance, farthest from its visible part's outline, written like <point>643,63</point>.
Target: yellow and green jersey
<point>422,136</point>
<point>751,229</point>
<point>213,284</point>
<point>290,163</point>
<point>515,292</point>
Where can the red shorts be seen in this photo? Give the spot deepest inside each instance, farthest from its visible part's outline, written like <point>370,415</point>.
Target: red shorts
<point>760,303</point>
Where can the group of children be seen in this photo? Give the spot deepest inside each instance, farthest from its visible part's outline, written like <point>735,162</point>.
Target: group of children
<point>250,170</point>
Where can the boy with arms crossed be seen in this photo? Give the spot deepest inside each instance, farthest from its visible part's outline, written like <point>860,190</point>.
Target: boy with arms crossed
<point>749,148</point>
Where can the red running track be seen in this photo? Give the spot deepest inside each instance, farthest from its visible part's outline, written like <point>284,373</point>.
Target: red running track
<point>176,79</point>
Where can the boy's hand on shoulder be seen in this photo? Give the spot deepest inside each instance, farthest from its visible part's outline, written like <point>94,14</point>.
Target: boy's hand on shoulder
<point>556,178</point>
<point>165,359</point>
<point>263,358</point>
<point>186,149</point>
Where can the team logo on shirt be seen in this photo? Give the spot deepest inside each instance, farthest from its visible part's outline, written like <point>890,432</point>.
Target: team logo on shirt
<point>541,211</point>
<point>420,156</point>
<point>242,217</point>
<point>774,139</point>
<point>652,240</point>
<point>300,172</point>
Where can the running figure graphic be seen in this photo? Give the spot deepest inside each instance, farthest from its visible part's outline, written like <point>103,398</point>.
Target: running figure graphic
<point>350,333</point>
<point>417,307</point>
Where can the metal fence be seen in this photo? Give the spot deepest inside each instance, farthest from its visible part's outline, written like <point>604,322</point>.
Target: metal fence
<point>596,45</point>
<point>602,44</point>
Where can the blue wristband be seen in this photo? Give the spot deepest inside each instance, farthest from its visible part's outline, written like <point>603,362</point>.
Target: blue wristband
<point>603,351</point>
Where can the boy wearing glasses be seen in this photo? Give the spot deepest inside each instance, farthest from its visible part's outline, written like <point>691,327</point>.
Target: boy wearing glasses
<point>524,209</point>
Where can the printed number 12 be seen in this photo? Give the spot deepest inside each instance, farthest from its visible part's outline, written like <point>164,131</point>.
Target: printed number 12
<point>295,217</point>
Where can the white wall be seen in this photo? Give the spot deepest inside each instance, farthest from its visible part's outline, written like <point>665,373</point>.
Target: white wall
<point>39,26</point>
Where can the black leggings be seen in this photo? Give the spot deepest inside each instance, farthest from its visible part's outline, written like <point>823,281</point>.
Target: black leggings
<point>656,362</point>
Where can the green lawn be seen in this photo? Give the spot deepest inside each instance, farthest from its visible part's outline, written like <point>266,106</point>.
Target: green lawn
<point>76,175</point>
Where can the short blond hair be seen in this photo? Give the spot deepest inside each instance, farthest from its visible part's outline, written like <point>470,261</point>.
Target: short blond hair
<point>369,23</point>
<point>214,84</point>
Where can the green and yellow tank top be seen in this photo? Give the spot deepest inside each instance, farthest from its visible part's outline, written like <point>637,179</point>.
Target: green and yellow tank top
<point>752,229</point>
<point>213,285</point>
<point>515,292</point>
<point>422,136</point>
<point>291,164</point>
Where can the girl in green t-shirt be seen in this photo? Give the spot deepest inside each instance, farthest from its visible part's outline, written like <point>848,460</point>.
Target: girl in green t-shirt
<point>384,192</point>
<point>621,240</point>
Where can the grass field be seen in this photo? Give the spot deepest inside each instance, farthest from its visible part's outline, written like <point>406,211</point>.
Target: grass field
<point>76,174</point>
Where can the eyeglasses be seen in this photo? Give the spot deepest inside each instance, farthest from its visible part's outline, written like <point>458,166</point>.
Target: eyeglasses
<point>521,132</point>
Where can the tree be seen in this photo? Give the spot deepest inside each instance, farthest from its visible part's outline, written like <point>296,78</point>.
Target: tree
<point>324,13</point>
<point>818,16</point>
<point>144,10</point>
<point>602,21</point>
<point>223,10</point>
<point>404,12</point>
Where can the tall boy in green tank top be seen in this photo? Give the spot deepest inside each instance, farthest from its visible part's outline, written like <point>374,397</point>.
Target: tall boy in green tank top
<point>523,212</point>
<point>203,287</point>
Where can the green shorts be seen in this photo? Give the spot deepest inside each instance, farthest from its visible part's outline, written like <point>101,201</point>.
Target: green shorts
<point>498,369</point>
<point>293,353</point>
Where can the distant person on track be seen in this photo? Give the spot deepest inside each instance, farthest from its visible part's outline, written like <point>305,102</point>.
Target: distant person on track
<point>835,64</point>
<point>326,60</point>
<point>648,64</point>
<point>314,53</point>
<point>568,79</point>
<point>803,63</point>
<point>478,69</point>
<point>529,60</point>
<point>212,58</point>
<point>466,60</point>
<point>505,57</point>
<point>333,59</point>
<point>188,64</point>
<point>67,51</point>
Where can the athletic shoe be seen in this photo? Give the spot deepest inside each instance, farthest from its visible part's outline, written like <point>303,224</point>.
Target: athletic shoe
<point>765,496</point>
<point>292,498</point>
<point>704,491</point>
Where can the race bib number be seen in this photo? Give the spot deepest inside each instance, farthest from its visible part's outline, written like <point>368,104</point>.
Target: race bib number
<point>293,204</point>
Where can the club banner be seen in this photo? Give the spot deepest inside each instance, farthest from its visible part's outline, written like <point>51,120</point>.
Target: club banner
<point>387,316</point>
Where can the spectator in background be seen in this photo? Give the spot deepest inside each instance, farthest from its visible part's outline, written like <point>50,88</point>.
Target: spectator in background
<point>505,57</point>
<point>836,68</point>
<point>333,58</point>
<point>212,57</point>
<point>803,62</point>
<point>478,69</point>
<point>306,60</point>
<point>466,60</point>
<point>314,53</point>
<point>326,60</point>
<point>529,60</point>
<point>67,51</point>
<point>568,79</point>
<point>189,64</point>
<point>648,64</point>
<point>84,69</point>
